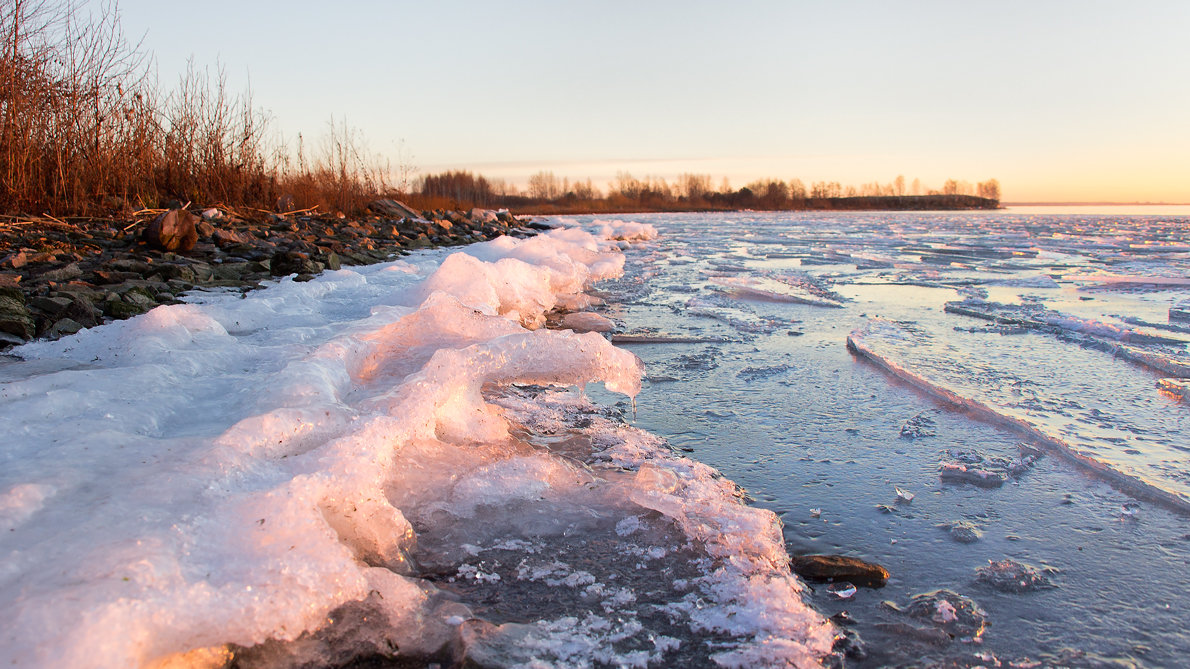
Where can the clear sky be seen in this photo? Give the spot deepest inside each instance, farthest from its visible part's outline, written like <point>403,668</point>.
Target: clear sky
<point>1061,101</point>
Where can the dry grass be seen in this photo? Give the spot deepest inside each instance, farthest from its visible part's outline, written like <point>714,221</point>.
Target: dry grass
<point>87,131</point>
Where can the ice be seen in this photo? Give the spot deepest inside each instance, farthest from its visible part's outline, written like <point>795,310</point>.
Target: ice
<point>270,476</point>
<point>1084,435</point>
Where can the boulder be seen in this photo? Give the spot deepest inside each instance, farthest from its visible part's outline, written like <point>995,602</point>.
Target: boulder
<point>15,318</point>
<point>173,230</point>
<point>840,568</point>
<point>392,209</point>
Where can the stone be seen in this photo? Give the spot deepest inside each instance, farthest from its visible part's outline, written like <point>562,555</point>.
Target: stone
<point>15,260</point>
<point>1008,575</point>
<point>204,229</point>
<point>293,262</point>
<point>225,238</point>
<point>392,208</point>
<point>119,309</point>
<point>63,327</point>
<point>62,274</point>
<point>51,305</point>
<point>173,230</point>
<point>917,427</point>
<point>840,568</point>
<point>962,531</point>
<point>955,472</point>
<point>960,617</point>
<point>482,215</point>
<point>15,318</point>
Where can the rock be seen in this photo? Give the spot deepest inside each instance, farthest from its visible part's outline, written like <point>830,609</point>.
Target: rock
<point>173,230</point>
<point>962,531</point>
<point>917,427</point>
<point>478,215</point>
<point>224,238</point>
<point>15,318</point>
<point>119,309</point>
<point>293,262</point>
<point>928,634</point>
<point>82,309</point>
<point>841,568</point>
<point>63,327</point>
<point>1011,576</point>
<point>211,214</point>
<point>15,260</point>
<point>954,472</point>
<point>392,209</point>
<point>62,274</point>
<point>51,305</point>
<point>960,617</point>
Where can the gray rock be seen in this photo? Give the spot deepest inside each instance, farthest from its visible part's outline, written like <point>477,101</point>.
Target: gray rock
<point>962,531</point>
<point>51,305</point>
<point>63,327</point>
<point>65,273</point>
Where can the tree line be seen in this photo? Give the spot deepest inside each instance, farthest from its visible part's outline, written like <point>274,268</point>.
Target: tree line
<point>547,193</point>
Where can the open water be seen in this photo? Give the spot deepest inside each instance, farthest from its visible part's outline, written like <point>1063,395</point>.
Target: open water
<point>1037,419</point>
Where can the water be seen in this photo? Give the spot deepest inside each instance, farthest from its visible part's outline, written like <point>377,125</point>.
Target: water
<point>399,464</point>
<point>813,431</point>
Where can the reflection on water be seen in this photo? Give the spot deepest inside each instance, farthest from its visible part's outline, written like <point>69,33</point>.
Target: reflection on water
<point>1061,341</point>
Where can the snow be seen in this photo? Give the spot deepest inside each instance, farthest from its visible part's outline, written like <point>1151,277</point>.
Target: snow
<point>235,470</point>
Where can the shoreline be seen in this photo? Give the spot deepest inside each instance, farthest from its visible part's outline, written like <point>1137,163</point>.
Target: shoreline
<point>60,276</point>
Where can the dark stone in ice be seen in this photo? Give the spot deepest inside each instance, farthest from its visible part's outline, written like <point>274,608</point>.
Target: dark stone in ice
<point>960,617</point>
<point>962,531</point>
<point>1011,576</point>
<point>953,472</point>
<point>917,427</point>
<point>841,568</point>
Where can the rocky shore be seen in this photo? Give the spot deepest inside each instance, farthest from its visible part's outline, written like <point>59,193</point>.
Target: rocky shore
<point>58,277</point>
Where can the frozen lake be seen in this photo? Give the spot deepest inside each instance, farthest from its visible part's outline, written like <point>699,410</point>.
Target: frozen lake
<point>410,463</point>
<point>1025,418</point>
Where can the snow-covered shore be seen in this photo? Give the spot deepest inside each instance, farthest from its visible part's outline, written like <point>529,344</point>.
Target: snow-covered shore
<point>246,470</point>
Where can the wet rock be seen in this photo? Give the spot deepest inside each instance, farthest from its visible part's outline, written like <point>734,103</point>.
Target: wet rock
<point>960,617</point>
<point>954,472</point>
<point>849,645</point>
<point>962,531</point>
<point>931,635</point>
<point>173,230</point>
<point>917,427</point>
<point>1011,576</point>
<point>840,568</point>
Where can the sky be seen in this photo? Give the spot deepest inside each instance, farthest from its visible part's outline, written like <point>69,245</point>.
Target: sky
<point>1058,101</point>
